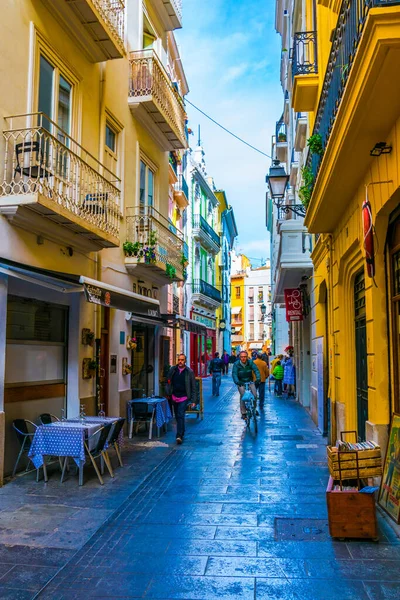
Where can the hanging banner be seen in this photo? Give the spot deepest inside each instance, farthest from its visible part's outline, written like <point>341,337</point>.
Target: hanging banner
<point>294,305</point>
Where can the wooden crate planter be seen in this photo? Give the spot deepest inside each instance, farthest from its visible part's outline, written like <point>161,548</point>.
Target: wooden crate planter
<point>351,514</point>
<point>369,463</point>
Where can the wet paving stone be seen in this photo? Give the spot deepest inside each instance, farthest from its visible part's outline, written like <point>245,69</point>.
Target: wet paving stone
<point>202,524</point>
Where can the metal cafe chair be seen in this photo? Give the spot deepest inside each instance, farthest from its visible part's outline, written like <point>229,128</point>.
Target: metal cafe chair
<point>47,419</point>
<point>30,154</point>
<point>25,430</point>
<point>140,413</point>
<point>98,451</point>
<point>113,440</point>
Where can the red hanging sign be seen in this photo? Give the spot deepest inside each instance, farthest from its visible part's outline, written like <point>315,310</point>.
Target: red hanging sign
<point>294,305</point>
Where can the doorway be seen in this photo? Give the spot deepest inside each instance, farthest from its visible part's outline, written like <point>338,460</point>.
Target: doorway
<point>394,250</point>
<point>361,353</point>
<point>104,360</point>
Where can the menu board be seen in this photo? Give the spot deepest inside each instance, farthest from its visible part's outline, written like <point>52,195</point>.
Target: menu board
<point>389,492</point>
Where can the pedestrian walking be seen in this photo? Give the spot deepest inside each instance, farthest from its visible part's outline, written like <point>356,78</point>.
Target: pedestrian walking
<point>273,365</point>
<point>278,375</point>
<point>289,376</point>
<point>264,357</point>
<point>226,361</point>
<point>215,368</point>
<point>264,374</point>
<point>242,373</point>
<point>181,386</point>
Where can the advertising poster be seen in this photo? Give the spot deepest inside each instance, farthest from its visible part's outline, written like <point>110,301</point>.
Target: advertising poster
<point>294,305</point>
<point>389,493</point>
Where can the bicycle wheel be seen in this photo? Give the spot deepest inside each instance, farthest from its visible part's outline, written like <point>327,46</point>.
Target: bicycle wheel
<point>255,422</point>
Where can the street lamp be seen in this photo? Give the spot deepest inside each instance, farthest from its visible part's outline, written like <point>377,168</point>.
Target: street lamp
<point>278,181</point>
<point>263,309</point>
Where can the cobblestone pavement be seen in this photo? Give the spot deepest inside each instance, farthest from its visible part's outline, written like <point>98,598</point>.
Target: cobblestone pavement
<point>226,515</point>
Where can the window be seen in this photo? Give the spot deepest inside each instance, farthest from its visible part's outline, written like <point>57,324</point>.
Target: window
<point>251,313</point>
<point>237,290</point>
<point>260,295</point>
<point>251,294</point>
<point>146,187</point>
<point>55,99</point>
<point>111,150</point>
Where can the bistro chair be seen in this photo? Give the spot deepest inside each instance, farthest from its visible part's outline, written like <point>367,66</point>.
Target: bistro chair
<point>30,154</point>
<point>98,451</point>
<point>113,439</point>
<point>47,419</point>
<point>25,430</point>
<point>140,413</point>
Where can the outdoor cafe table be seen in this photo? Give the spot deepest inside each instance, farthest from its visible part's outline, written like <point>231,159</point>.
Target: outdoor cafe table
<point>65,438</point>
<point>159,409</point>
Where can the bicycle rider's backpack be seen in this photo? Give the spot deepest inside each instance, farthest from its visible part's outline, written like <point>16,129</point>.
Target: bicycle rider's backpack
<point>247,396</point>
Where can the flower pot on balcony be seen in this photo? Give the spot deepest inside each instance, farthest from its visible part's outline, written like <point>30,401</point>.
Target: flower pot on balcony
<point>281,137</point>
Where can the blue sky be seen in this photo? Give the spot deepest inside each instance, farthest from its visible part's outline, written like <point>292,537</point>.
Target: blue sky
<point>231,56</point>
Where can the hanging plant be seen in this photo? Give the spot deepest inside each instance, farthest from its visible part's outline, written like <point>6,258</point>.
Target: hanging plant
<point>315,144</point>
<point>282,137</point>
<point>92,365</point>
<point>306,188</point>
<point>170,271</point>
<point>152,238</point>
<point>183,261</point>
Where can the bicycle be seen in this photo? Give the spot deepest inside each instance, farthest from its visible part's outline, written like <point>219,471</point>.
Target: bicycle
<point>251,408</point>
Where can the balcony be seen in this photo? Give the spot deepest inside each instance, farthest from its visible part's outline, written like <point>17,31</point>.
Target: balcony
<point>153,247</point>
<point>169,12</point>
<point>206,294</point>
<point>294,167</point>
<point>155,102</point>
<point>359,94</point>
<point>300,131</point>
<point>96,25</point>
<point>181,192</point>
<point>281,148</point>
<point>304,71</point>
<point>206,234</point>
<point>53,187</point>
<point>237,338</point>
<point>293,260</point>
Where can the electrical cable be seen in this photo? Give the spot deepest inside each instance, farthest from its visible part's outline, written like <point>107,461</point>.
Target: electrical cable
<point>227,130</point>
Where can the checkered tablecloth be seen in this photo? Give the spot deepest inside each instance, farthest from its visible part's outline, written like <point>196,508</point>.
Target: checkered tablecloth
<point>62,438</point>
<point>163,411</point>
<point>101,421</point>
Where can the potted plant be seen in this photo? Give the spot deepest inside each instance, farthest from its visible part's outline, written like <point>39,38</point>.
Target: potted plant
<point>92,367</point>
<point>183,261</point>
<point>306,188</point>
<point>281,137</point>
<point>131,343</point>
<point>314,142</point>
<point>132,249</point>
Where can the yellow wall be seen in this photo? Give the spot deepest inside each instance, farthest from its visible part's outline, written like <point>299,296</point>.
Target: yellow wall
<point>339,256</point>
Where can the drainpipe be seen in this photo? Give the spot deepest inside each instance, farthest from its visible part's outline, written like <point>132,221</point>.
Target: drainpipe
<point>329,244</point>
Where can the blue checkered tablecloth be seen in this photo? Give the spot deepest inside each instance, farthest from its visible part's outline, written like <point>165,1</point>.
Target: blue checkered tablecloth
<point>101,421</point>
<point>62,438</point>
<point>163,411</point>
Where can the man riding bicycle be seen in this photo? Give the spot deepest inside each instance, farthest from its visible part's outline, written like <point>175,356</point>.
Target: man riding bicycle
<point>242,373</point>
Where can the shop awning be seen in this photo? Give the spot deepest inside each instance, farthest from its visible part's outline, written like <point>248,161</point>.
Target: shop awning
<point>255,346</point>
<point>95,291</point>
<point>184,323</point>
<point>235,310</point>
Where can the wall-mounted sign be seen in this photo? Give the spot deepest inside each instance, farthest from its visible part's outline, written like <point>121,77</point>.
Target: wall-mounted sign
<point>210,323</point>
<point>294,305</point>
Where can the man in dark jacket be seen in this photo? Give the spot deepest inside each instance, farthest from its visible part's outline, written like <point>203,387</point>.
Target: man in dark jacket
<point>216,367</point>
<point>242,373</point>
<point>182,389</point>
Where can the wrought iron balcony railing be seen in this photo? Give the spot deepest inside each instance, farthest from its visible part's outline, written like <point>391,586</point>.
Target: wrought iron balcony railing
<point>304,53</point>
<point>149,83</point>
<point>199,222</point>
<point>202,287</point>
<point>113,13</point>
<point>154,239</point>
<point>40,158</point>
<point>349,28</point>
<point>281,131</point>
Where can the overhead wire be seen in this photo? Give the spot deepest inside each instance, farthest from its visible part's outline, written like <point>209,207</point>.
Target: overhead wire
<point>227,130</point>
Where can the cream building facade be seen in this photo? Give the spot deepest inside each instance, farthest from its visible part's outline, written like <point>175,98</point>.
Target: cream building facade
<point>91,107</point>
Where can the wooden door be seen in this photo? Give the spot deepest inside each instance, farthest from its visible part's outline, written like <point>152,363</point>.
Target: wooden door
<point>104,361</point>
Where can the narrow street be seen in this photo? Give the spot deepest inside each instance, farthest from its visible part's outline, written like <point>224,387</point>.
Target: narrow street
<point>226,515</point>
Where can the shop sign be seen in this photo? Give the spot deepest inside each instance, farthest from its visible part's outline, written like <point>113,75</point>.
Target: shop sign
<point>294,305</point>
<point>210,323</point>
<point>98,295</point>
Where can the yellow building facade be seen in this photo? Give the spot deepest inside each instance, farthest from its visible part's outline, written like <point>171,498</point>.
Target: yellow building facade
<point>91,109</point>
<point>352,176</point>
<point>238,300</point>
